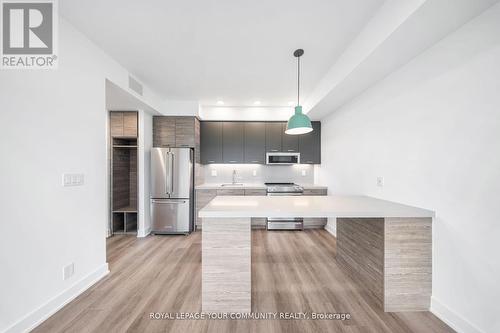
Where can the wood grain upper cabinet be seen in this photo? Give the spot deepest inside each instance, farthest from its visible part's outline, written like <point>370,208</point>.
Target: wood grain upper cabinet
<point>123,124</point>
<point>310,145</point>
<point>273,136</point>
<point>289,143</point>
<point>163,131</point>
<point>185,132</point>
<point>130,124</point>
<point>211,142</point>
<point>233,142</point>
<point>255,142</point>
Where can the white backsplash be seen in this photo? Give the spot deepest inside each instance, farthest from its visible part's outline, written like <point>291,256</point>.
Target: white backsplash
<point>257,173</point>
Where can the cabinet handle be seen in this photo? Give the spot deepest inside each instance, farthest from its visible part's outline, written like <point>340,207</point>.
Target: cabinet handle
<point>309,162</point>
<point>255,161</point>
<point>233,161</point>
<point>274,149</point>
<point>211,161</point>
<point>291,150</point>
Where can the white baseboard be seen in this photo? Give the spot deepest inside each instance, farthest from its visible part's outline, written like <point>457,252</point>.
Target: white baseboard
<point>38,316</point>
<point>451,318</point>
<point>143,233</point>
<point>331,229</point>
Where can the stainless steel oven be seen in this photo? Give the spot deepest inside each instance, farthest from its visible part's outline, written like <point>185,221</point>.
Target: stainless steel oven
<point>284,223</point>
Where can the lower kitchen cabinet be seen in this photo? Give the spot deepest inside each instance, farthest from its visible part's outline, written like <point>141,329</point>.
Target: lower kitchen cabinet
<point>315,223</point>
<point>204,196</point>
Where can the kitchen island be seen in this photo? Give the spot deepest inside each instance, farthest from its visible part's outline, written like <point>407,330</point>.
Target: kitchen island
<point>385,246</point>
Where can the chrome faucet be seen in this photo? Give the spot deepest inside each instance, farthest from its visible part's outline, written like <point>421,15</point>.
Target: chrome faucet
<point>234,176</point>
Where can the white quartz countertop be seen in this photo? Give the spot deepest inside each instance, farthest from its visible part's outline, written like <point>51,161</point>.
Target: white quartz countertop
<point>218,186</point>
<point>308,206</point>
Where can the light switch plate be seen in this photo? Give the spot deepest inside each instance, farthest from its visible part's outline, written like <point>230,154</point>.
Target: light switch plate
<point>73,179</point>
<point>254,173</point>
<point>304,173</point>
<point>214,173</point>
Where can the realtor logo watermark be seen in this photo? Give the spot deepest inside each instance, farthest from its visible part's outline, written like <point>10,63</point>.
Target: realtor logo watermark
<point>29,34</point>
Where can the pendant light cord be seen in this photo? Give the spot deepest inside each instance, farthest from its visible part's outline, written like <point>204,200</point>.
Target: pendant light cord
<point>298,81</point>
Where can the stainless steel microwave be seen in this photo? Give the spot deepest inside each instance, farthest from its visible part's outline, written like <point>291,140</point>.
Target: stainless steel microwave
<point>282,158</point>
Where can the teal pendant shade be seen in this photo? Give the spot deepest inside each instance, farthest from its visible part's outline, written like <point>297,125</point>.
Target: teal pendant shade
<point>299,123</point>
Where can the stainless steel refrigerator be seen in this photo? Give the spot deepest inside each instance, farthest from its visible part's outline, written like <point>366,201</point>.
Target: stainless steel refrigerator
<point>172,190</point>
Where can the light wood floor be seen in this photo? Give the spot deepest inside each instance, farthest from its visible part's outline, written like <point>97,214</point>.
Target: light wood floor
<point>291,272</point>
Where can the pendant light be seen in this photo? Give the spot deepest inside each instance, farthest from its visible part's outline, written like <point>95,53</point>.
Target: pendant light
<point>299,123</point>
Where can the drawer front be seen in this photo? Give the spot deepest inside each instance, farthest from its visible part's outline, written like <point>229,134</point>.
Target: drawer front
<point>231,192</point>
<point>313,223</point>
<point>255,192</point>
<point>315,191</point>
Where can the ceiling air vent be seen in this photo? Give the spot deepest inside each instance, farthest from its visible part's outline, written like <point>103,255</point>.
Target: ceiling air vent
<point>134,85</point>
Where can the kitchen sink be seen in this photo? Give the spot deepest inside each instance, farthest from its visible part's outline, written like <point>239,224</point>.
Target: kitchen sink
<point>231,184</point>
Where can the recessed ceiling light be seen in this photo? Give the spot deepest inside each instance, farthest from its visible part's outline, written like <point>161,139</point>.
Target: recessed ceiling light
<point>291,103</point>
<point>219,102</point>
<point>256,103</point>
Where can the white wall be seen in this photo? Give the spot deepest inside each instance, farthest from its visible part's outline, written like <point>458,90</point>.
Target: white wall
<point>432,129</point>
<point>246,113</point>
<point>145,145</point>
<point>53,122</point>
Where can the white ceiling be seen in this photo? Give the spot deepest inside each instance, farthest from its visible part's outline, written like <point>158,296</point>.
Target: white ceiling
<point>239,51</point>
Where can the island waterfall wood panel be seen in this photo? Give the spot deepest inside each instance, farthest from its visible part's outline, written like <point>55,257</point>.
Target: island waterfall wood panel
<point>408,264</point>
<point>391,257</point>
<point>226,265</point>
<point>360,249</point>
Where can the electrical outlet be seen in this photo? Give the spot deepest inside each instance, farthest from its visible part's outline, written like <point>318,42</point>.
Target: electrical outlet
<point>68,271</point>
<point>380,181</point>
<point>304,173</point>
<point>214,173</point>
<point>73,179</point>
<point>254,173</point>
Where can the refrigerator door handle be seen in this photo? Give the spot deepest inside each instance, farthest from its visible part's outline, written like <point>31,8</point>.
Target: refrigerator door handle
<point>172,163</point>
<point>169,202</point>
<point>167,173</point>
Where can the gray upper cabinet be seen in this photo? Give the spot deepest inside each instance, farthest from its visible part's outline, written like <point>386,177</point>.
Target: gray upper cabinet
<point>211,142</point>
<point>255,142</point>
<point>289,143</point>
<point>310,145</point>
<point>273,136</point>
<point>248,142</point>
<point>232,142</point>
